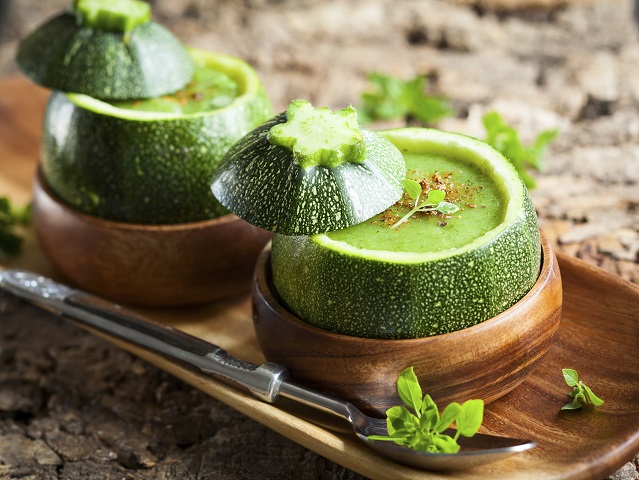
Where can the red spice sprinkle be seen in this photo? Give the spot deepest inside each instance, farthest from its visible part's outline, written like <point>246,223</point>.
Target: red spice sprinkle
<point>459,194</point>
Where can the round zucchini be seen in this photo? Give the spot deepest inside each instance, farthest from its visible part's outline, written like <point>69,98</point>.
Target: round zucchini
<point>143,166</point>
<point>108,50</point>
<point>309,170</point>
<point>331,281</point>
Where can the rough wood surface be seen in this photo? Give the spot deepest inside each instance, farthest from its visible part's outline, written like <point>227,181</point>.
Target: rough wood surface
<point>543,64</point>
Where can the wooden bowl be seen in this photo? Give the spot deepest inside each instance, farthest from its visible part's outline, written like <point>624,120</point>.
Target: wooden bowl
<point>484,361</point>
<point>152,265</point>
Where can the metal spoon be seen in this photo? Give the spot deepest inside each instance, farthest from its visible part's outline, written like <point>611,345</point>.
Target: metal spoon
<point>267,382</point>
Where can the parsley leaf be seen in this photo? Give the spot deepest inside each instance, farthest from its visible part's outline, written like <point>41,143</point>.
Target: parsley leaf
<point>505,138</point>
<point>424,428</point>
<point>395,98</point>
<point>10,217</point>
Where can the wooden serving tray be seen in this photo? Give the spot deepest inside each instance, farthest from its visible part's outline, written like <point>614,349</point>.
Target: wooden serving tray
<point>598,336</point>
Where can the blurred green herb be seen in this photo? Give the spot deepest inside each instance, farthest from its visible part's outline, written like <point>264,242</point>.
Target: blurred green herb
<point>423,428</point>
<point>393,98</point>
<point>10,217</point>
<point>505,138</point>
<point>581,394</point>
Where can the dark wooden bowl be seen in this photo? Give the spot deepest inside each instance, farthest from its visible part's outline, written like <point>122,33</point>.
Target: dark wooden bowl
<point>152,265</point>
<point>483,361</point>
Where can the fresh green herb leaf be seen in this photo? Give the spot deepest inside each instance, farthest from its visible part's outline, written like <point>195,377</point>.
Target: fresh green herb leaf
<point>574,405</point>
<point>409,390</point>
<point>445,444</point>
<point>446,208</point>
<point>413,189</point>
<point>450,413</point>
<point>430,408</point>
<point>399,422</point>
<point>10,217</point>
<point>471,414</point>
<point>434,202</point>
<point>505,138</point>
<point>594,399</point>
<point>580,393</point>
<point>570,376</point>
<point>393,98</point>
<point>423,428</point>
<point>435,196</point>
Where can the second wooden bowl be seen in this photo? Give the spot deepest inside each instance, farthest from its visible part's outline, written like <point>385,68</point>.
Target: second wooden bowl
<point>152,265</point>
<point>484,361</point>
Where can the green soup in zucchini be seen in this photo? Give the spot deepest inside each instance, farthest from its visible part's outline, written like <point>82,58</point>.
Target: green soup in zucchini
<point>435,272</point>
<point>151,161</point>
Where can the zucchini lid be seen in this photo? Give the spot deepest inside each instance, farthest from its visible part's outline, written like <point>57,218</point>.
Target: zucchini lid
<point>106,49</point>
<point>309,171</point>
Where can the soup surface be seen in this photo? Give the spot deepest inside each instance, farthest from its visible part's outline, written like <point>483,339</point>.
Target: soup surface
<point>480,199</point>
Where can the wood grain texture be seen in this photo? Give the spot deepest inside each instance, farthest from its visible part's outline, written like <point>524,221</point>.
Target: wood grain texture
<point>484,361</point>
<point>598,336</point>
<point>155,265</point>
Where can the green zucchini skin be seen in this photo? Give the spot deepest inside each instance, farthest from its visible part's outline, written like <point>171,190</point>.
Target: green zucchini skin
<point>146,62</point>
<point>393,295</point>
<point>264,185</point>
<point>376,299</point>
<point>150,171</point>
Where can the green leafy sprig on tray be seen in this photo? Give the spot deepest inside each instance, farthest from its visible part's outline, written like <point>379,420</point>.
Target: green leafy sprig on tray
<point>581,394</point>
<point>423,428</point>
<point>505,138</point>
<point>434,201</point>
<point>10,217</point>
<point>395,98</point>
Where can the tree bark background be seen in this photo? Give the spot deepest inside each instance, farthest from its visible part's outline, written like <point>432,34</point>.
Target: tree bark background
<point>72,406</point>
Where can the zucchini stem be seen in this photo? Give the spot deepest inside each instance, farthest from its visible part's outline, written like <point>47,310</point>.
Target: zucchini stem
<point>112,15</point>
<point>319,136</point>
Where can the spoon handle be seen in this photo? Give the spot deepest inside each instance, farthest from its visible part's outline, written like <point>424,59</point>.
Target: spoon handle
<point>267,381</point>
<point>263,381</point>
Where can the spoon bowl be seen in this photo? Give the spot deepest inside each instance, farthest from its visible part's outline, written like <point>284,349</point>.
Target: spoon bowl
<point>475,451</point>
<point>480,449</point>
<point>484,449</point>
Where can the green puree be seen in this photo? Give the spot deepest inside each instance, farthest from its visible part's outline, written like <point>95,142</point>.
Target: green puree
<point>481,203</point>
<point>208,90</point>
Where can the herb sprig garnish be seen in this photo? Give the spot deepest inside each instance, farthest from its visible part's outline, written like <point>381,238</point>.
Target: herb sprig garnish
<point>581,393</point>
<point>424,429</point>
<point>395,98</point>
<point>434,201</point>
<point>505,138</point>
<point>10,217</point>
